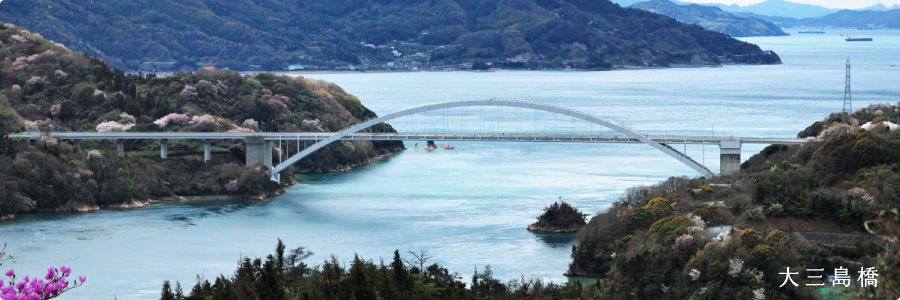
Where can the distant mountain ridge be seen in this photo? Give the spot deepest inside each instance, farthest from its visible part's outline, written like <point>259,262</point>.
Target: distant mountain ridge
<point>888,19</point>
<point>880,7</point>
<point>858,19</point>
<point>789,14</point>
<point>374,34</point>
<point>712,18</point>
<point>780,8</point>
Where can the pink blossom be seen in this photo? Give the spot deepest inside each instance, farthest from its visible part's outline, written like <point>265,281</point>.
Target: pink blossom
<point>55,109</point>
<point>17,38</point>
<point>251,123</point>
<point>30,288</point>
<point>232,186</point>
<point>196,120</point>
<point>113,126</point>
<point>188,92</point>
<point>94,154</point>
<point>178,119</point>
<point>126,118</point>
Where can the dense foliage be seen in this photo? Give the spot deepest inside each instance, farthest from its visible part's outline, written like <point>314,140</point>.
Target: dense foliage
<point>822,205</point>
<point>272,35</point>
<point>712,18</point>
<point>46,87</point>
<point>284,275</point>
<point>559,217</point>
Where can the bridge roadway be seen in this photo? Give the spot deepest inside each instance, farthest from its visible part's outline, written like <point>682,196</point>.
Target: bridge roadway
<point>487,137</point>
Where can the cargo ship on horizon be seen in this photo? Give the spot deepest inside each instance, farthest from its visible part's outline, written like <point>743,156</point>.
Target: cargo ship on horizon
<point>858,39</point>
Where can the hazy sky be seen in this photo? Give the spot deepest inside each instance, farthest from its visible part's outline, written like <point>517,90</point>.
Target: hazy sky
<point>826,3</point>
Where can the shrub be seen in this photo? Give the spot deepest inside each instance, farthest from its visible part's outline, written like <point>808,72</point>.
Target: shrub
<point>749,238</point>
<point>777,237</point>
<point>756,214</point>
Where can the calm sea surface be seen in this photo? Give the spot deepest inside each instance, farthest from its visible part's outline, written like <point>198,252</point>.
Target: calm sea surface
<point>468,207</point>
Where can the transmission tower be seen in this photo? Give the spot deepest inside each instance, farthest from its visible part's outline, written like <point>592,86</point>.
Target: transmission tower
<point>848,99</point>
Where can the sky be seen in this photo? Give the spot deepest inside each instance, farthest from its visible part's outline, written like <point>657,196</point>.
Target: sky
<point>851,4</point>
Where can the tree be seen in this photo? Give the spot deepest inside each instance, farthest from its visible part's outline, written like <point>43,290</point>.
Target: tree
<point>9,123</point>
<point>167,292</point>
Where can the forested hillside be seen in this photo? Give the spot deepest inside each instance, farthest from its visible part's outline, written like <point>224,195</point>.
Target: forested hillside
<point>712,18</point>
<point>823,205</point>
<point>370,34</point>
<point>46,87</point>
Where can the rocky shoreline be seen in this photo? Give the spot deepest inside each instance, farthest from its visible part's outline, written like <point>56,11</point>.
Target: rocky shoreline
<point>547,229</point>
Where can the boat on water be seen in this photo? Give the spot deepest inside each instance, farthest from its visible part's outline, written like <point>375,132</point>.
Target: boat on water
<point>858,39</point>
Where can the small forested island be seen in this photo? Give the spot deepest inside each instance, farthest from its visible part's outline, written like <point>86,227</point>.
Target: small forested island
<point>559,217</point>
<point>302,35</point>
<point>46,87</point>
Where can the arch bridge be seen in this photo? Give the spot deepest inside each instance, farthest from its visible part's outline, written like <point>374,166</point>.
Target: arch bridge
<point>259,145</point>
<point>730,149</point>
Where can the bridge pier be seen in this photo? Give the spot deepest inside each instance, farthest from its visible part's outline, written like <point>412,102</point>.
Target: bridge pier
<point>164,148</point>
<point>258,151</point>
<point>207,151</point>
<point>120,147</point>
<point>729,157</point>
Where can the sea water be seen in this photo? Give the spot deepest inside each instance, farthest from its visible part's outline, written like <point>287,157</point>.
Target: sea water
<point>467,207</point>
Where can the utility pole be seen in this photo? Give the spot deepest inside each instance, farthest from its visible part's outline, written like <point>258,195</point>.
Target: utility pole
<point>848,99</point>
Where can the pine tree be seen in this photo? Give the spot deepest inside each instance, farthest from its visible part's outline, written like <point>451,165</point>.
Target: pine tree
<point>167,291</point>
<point>179,294</point>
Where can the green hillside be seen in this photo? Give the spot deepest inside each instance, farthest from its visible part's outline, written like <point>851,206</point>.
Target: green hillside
<point>369,34</point>
<point>823,205</point>
<point>46,87</point>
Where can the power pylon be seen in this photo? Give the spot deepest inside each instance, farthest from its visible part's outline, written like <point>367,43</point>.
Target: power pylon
<point>848,99</point>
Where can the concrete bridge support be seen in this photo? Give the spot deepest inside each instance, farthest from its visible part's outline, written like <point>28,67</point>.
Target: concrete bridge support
<point>258,151</point>
<point>120,147</point>
<point>164,148</point>
<point>730,157</point>
<point>207,150</point>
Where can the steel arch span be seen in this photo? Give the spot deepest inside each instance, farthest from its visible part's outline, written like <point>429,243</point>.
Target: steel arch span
<point>552,108</point>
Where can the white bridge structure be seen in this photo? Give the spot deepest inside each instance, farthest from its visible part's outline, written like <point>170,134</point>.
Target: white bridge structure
<point>259,145</point>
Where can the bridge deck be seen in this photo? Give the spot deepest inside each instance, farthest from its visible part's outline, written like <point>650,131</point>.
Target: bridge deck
<point>500,137</point>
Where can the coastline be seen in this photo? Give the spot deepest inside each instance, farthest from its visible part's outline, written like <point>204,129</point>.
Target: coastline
<point>615,68</point>
<point>540,229</point>
<point>137,204</point>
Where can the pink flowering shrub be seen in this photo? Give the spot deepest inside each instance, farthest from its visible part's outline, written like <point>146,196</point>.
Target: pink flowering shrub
<point>232,186</point>
<point>55,109</point>
<point>126,118</point>
<point>251,123</point>
<point>113,126</point>
<point>204,119</point>
<point>177,119</point>
<point>94,154</point>
<point>188,92</point>
<point>54,284</point>
<point>18,38</point>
